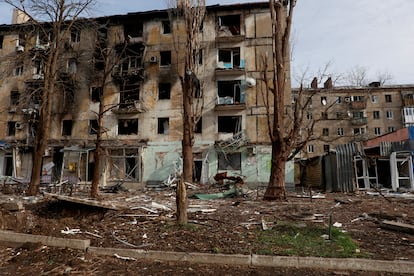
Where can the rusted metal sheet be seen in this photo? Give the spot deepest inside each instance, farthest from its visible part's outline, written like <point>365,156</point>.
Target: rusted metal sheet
<point>345,167</point>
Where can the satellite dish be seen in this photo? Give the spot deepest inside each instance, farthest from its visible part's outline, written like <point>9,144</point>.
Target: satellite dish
<point>250,82</point>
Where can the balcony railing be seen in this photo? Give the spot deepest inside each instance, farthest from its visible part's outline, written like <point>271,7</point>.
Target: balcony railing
<point>359,121</point>
<point>357,105</point>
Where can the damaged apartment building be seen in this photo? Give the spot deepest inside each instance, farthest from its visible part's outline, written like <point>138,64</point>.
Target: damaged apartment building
<point>143,99</point>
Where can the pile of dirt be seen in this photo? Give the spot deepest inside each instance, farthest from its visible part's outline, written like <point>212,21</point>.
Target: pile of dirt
<point>146,220</point>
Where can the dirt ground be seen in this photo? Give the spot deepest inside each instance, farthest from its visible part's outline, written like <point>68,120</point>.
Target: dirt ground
<point>227,226</point>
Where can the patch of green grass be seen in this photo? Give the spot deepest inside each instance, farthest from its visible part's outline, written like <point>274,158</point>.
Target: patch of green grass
<point>177,227</point>
<point>289,239</point>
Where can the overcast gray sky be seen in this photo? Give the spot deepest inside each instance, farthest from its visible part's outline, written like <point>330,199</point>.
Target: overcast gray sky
<point>377,35</point>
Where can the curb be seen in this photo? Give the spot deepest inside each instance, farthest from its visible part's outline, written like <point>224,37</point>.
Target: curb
<point>13,237</point>
<point>229,259</point>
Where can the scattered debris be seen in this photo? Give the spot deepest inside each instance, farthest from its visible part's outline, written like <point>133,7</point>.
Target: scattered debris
<point>337,225</point>
<point>93,234</point>
<point>264,225</point>
<point>71,231</point>
<point>84,201</point>
<point>124,258</point>
<point>130,244</point>
<point>397,226</point>
<point>160,206</point>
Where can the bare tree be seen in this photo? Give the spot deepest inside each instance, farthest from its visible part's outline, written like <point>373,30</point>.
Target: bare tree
<point>282,138</point>
<point>190,15</point>
<point>60,16</point>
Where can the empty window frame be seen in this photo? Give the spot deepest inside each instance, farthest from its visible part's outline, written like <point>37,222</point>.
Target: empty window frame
<point>18,71</point>
<point>229,124</point>
<point>11,128</point>
<point>229,58</point>
<point>14,97</point>
<point>358,98</point>
<point>93,126</point>
<point>340,131</point>
<point>129,95</point>
<point>133,28</point>
<point>164,91</point>
<point>163,125</point>
<point>67,127</point>
<point>229,24</point>
<point>388,98</point>
<point>96,94</point>
<point>72,66</point>
<point>326,148</point>
<point>8,164</point>
<point>325,132</point>
<point>124,164</point>
<point>166,27</point>
<point>338,99</point>
<point>359,131</point>
<point>376,114</point>
<point>391,129</point>
<point>37,67</point>
<point>229,161</point>
<point>74,36</point>
<point>128,126</point>
<point>230,92</point>
<point>165,58</point>
<point>324,115</point>
<point>198,128</point>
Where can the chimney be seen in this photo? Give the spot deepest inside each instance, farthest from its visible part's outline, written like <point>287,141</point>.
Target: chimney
<point>375,84</point>
<point>314,83</point>
<point>19,17</point>
<point>328,83</point>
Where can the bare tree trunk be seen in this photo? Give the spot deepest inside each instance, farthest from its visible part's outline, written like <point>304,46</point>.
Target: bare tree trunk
<point>98,155</point>
<point>276,187</point>
<point>181,202</point>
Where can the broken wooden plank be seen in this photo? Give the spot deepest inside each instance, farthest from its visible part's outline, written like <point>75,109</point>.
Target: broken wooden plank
<point>397,226</point>
<point>84,201</point>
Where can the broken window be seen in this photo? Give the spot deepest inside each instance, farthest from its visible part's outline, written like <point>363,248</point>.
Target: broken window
<point>230,92</point>
<point>19,70</point>
<point>229,161</point>
<point>43,39</point>
<point>229,58</point>
<point>124,164</point>
<point>199,126</point>
<point>325,131</point>
<point>341,131</point>
<point>74,36</point>
<point>93,126</point>
<point>34,89</point>
<point>358,98</point>
<point>72,66</point>
<point>165,58</point>
<point>324,115</point>
<point>376,114</point>
<point>96,94</point>
<point>229,124</point>
<point>11,128</point>
<point>326,148</point>
<point>129,95</point>
<point>8,164</point>
<point>164,91</point>
<point>37,68</point>
<point>163,125</point>
<point>133,28</point>
<point>388,98</point>
<point>67,127</point>
<point>128,126</point>
<point>131,59</point>
<point>14,97</point>
<point>229,24</point>
<point>166,27</point>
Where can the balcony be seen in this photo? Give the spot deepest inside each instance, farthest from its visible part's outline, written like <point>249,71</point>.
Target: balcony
<point>132,107</point>
<point>358,105</point>
<point>228,103</point>
<point>359,121</point>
